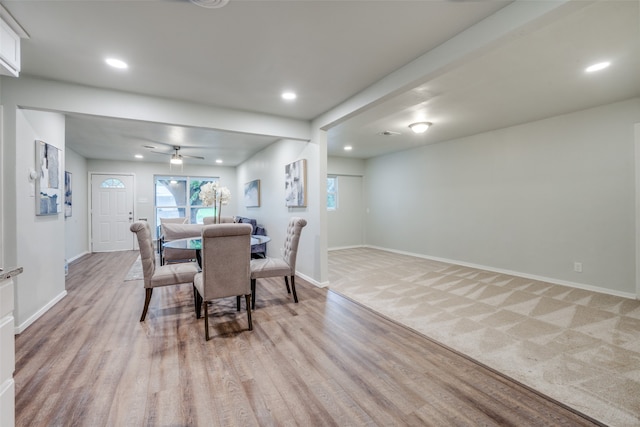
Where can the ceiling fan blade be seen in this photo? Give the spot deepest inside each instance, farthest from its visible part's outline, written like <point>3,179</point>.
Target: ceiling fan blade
<point>192,157</point>
<point>160,152</point>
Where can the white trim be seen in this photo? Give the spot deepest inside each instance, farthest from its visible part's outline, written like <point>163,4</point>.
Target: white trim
<point>516,273</point>
<point>637,212</point>
<point>78,256</point>
<point>20,328</point>
<point>312,281</point>
<point>338,248</point>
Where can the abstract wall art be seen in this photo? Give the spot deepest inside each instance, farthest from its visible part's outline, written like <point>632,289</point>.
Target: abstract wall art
<point>295,183</point>
<point>252,194</point>
<point>48,180</point>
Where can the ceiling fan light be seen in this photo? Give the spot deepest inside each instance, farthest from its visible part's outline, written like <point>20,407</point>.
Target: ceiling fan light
<point>420,127</point>
<point>176,160</point>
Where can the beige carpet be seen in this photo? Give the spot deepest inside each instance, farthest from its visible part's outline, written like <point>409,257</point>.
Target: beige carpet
<point>579,347</point>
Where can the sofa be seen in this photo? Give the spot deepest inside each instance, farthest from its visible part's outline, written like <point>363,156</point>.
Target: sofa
<point>257,251</point>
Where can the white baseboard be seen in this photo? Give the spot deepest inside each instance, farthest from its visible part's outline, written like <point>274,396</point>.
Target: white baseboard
<point>24,325</point>
<point>347,247</point>
<point>516,273</point>
<point>312,281</point>
<point>78,256</point>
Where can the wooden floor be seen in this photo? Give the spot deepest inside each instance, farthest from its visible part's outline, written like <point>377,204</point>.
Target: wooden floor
<point>324,361</point>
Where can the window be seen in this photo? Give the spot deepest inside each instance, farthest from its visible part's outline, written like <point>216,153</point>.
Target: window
<point>112,183</point>
<point>332,193</point>
<point>178,197</point>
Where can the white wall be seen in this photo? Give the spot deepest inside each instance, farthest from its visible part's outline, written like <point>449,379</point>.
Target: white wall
<point>345,225</point>
<point>42,283</point>
<point>39,246</point>
<point>531,199</point>
<point>144,184</point>
<point>268,166</point>
<point>76,226</point>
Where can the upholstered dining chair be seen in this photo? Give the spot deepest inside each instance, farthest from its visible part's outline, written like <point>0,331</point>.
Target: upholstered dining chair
<point>285,266</point>
<point>156,276</point>
<point>226,252</point>
<point>179,220</point>
<point>208,220</point>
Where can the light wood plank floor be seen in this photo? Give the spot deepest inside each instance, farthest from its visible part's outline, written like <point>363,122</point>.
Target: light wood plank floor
<point>324,361</point>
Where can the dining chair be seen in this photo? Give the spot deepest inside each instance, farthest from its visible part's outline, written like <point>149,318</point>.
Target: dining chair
<point>154,275</point>
<point>285,266</point>
<point>160,229</point>
<point>226,252</point>
<point>208,220</point>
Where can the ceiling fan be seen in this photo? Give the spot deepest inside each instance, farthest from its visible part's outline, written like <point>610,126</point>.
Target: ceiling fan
<point>176,157</point>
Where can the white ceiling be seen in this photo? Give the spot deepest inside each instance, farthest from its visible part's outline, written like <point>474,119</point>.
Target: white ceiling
<point>242,56</point>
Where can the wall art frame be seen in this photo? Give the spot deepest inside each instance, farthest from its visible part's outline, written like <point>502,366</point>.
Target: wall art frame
<point>48,182</point>
<point>295,184</point>
<point>252,194</point>
<point>68,202</point>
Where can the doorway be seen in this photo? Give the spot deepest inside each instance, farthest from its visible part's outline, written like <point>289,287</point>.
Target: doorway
<point>111,212</point>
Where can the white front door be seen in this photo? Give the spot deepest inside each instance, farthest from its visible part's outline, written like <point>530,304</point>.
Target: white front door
<point>111,212</point>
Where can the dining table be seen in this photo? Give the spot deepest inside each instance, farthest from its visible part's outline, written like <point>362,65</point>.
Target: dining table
<point>195,244</point>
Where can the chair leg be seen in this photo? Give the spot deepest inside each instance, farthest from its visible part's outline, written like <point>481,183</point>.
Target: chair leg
<point>238,303</point>
<point>293,288</point>
<point>147,298</point>
<point>206,321</point>
<point>198,302</point>
<point>247,298</point>
<point>286,282</point>
<point>253,294</point>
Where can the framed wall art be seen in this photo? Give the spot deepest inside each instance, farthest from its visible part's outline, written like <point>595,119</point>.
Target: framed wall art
<point>252,194</point>
<point>67,194</point>
<point>48,181</point>
<point>295,183</point>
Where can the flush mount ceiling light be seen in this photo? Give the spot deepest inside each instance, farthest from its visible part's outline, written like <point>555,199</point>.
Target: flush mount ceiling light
<point>289,96</point>
<point>420,127</point>
<point>210,4</point>
<point>597,67</point>
<point>116,63</point>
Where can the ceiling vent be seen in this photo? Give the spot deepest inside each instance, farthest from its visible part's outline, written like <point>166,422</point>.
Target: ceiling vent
<point>210,4</point>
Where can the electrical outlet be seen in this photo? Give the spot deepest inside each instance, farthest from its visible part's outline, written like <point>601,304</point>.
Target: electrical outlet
<point>577,267</point>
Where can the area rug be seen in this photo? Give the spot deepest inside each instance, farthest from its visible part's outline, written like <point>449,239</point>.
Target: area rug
<point>135,272</point>
<point>579,347</point>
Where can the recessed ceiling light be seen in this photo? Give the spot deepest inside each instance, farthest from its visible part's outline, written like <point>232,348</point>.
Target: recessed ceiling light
<point>210,4</point>
<point>348,148</point>
<point>289,96</point>
<point>116,63</point>
<point>597,67</point>
<point>138,156</point>
<point>218,161</point>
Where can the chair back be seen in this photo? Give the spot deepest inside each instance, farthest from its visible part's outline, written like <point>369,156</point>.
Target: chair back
<point>147,254</point>
<point>294,229</point>
<point>208,220</point>
<point>226,256</point>
<point>179,220</point>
